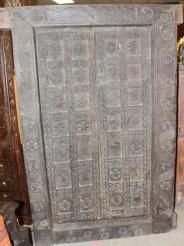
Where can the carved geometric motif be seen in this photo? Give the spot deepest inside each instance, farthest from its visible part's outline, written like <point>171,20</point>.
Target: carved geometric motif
<point>57,99</point>
<point>61,150</point>
<point>134,96</point>
<point>85,173</point>
<point>64,201</point>
<point>84,147</point>
<point>56,73</point>
<point>86,199</point>
<point>113,97</point>
<point>115,170</point>
<point>136,194</point>
<point>67,122</point>
<point>125,118</point>
<point>114,121</point>
<point>59,121</point>
<point>135,118</point>
<point>81,101</point>
<point>133,47</point>
<point>82,120</point>
<point>116,196</point>
<point>135,141</point>
<point>136,168</point>
<point>80,108</point>
<point>62,176</point>
<point>114,144</point>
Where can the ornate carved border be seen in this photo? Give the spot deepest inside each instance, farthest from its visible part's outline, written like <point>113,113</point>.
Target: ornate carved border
<point>165,85</point>
<point>91,15</point>
<point>163,19</point>
<point>28,97</point>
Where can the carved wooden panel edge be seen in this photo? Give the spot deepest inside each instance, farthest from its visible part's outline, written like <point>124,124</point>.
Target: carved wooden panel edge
<point>101,233</point>
<point>165,124</point>
<point>30,123</point>
<point>95,233</point>
<point>92,15</point>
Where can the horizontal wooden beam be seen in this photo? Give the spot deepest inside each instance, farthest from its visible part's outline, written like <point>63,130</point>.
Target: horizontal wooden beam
<point>92,15</point>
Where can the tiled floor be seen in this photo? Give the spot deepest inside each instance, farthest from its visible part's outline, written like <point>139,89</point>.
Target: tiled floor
<point>173,238</point>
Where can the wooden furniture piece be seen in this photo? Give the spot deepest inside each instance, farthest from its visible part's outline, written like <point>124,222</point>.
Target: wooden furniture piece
<point>180,156</point>
<point>19,236</point>
<point>97,99</point>
<point>180,147</point>
<point>13,185</point>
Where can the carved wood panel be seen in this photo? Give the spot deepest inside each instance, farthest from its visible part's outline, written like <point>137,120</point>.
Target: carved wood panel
<point>97,96</point>
<point>81,112</point>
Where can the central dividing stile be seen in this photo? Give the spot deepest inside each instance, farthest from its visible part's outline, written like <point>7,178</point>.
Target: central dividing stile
<point>95,95</point>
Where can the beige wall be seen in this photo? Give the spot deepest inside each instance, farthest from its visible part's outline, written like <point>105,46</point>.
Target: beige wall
<point>44,2</point>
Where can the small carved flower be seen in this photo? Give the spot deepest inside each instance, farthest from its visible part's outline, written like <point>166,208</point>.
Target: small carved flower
<point>65,205</point>
<point>38,206</point>
<point>167,35</point>
<point>115,174</point>
<point>165,18</point>
<point>104,235</point>
<point>166,185</point>
<point>135,147</point>
<point>167,141</point>
<point>146,13</point>
<point>167,58</point>
<point>116,199</point>
<point>86,203</point>
<point>36,187</point>
<point>134,121</point>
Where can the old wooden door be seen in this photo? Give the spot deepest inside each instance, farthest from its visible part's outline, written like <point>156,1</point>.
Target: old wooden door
<point>97,102</point>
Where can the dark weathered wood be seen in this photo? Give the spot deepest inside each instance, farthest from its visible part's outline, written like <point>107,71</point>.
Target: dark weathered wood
<point>97,99</point>
<point>7,157</point>
<point>13,185</point>
<point>12,174</point>
<point>18,235</point>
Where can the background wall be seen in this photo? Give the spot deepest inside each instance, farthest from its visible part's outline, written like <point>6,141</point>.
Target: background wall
<point>43,2</point>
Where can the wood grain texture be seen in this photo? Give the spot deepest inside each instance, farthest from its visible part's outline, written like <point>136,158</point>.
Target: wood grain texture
<point>12,177</point>
<point>15,185</point>
<point>87,123</point>
<point>180,150</point>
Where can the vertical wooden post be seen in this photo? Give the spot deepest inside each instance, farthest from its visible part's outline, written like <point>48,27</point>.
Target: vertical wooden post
<point>180,152</point>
